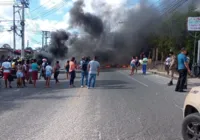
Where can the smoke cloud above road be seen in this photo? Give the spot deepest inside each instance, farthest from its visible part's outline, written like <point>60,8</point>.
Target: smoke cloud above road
<point>113,34</point>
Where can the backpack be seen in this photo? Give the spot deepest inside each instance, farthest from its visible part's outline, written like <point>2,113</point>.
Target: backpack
<point>84,66</point>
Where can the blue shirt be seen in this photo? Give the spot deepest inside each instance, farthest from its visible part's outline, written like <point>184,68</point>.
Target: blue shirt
<point>34,67</point>
<point>182,59</point>
<point>94,65</point>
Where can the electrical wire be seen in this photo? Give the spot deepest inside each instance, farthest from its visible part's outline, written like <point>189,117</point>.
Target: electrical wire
<point>53,9</point>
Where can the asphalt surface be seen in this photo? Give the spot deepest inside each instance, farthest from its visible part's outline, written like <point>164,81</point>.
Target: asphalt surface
<point>119,108</point>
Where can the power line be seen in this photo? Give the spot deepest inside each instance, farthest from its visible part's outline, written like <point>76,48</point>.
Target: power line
<point>57,6</point>
<point>42,5</point>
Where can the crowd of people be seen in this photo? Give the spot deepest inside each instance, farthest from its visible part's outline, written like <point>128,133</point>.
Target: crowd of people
<point>179,63</point>
<point>135,63</point>
<point>173,64</point>
<point>26,71</point>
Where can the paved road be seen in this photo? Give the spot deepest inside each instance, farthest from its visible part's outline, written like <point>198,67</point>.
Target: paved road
<point>120,108</point>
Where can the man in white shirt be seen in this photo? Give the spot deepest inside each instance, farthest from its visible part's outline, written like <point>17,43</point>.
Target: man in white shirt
<point>6,65</point>
<point>93,68</point>
<point>167,63</point>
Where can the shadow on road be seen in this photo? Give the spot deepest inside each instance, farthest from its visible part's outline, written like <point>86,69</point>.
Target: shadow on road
<point>14,98</point>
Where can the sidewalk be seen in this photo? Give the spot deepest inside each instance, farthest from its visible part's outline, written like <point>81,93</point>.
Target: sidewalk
<point>155,71</point>
<point>191,81</point>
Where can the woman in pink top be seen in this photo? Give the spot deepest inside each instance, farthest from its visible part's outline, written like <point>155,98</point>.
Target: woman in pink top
<point>72,67</point>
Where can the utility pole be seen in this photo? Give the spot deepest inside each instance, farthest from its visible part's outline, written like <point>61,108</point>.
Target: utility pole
<point>27,43</point>
<point>23,29</point>
<point>46,37</point>
<point>14,41</point>
<point>42,39</point>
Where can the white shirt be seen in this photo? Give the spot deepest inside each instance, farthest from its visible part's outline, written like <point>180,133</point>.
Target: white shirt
<point>133,61</point>
<point>48,68</point>
<point>167,61</point>
<point>6,66</point>
<point>94,65</point>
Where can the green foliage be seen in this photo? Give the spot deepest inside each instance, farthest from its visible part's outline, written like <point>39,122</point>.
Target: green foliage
<point>172,34</point>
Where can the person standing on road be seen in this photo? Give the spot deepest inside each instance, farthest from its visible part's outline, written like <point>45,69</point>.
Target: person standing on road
<point>6,72</point>
<point>56,71</point>
<point>67,69</point>
<point>84,71</point>
<point>35,69</point>
<point>137,63</point>
<point>30,72</point>
<point>144,64</point>
<point>167,64</point>
<point>183,68</point>
<point>48,73</point>
<point>72,68</point>
<point>133,65</point>
<point>172,67</point>
<point>93,68</point>
<point>19,74</point>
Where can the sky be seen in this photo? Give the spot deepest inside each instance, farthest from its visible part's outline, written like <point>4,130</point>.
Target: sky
<point>44,15</point>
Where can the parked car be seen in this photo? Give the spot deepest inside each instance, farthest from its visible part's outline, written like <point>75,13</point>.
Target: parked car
<point>191,113</point>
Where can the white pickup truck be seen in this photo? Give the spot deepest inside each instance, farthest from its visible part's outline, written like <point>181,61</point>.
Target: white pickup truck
<point>191,113</point>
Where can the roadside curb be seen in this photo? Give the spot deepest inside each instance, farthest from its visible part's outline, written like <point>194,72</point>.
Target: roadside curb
<point>161,74</point>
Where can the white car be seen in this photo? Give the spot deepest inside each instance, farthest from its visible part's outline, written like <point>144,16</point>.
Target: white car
<point>191,113</point>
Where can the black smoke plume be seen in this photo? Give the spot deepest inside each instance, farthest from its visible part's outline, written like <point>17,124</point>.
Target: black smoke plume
<point>58,46</point>
<point>91,23</point>
<point>123,33</point>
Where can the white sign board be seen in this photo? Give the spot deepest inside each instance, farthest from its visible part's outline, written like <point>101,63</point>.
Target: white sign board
<point>193,24</point>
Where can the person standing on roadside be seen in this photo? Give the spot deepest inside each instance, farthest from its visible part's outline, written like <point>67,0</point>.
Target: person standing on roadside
<point>72,68</point>
<point>84,71</point>
<point>35,69</point>
<point>186,81</point>
<point>172,67</point>
<point>6,65</point>
<point>167,64</point>
<point>67,69</point>
<point>56,71</point>
<point>144,64</point>
<point>94,69</point>
<point>183,68</point>
<point>48,73</point>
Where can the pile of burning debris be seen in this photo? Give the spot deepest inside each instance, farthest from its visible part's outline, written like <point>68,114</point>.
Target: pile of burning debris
<point>107,66</point>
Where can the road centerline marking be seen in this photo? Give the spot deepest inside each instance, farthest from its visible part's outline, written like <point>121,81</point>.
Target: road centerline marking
<point>134,79</point>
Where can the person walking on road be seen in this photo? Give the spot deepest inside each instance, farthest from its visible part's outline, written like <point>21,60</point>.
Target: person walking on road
<point>72,68</point>
<point>183,68</point>
<point>84,71</point>
<point>6,73</point>
<point>144,64</point>
<point>93,68</point>
<point>56,71</point>
<point>48,73</point>
<point>172,67</point>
